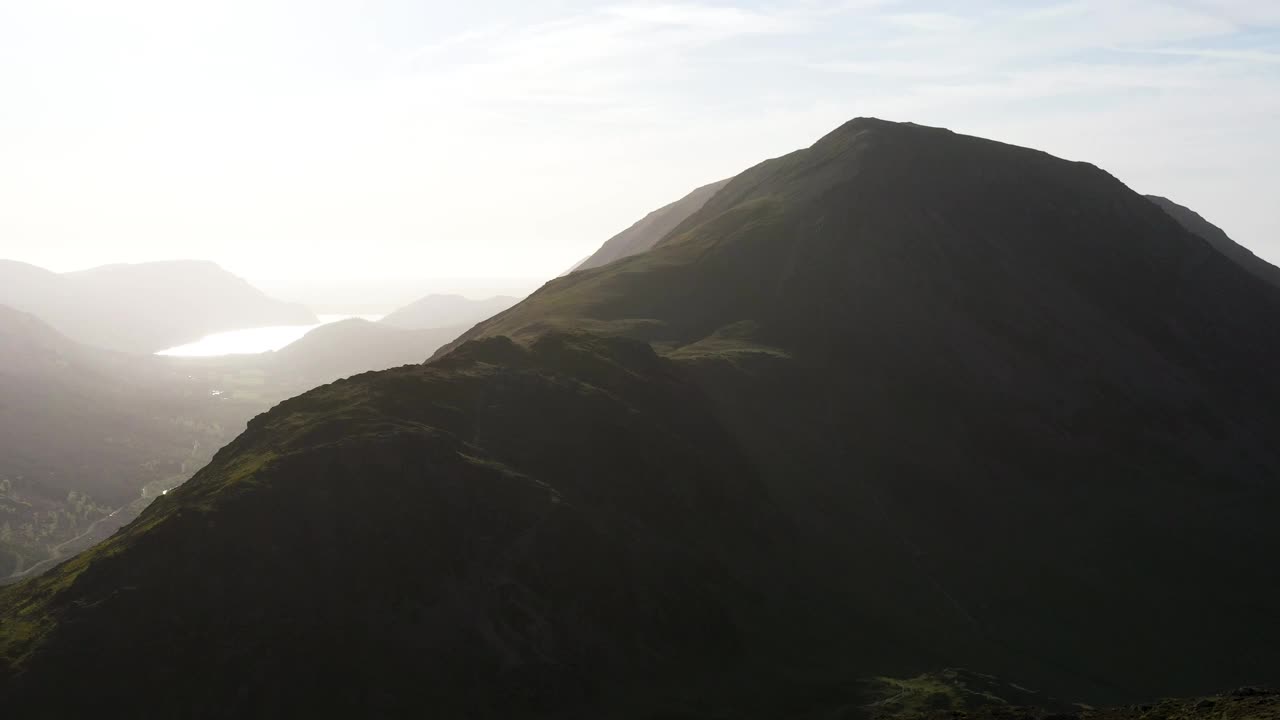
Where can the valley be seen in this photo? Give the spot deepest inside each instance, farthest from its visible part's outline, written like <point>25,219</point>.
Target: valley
<point>140,425</point>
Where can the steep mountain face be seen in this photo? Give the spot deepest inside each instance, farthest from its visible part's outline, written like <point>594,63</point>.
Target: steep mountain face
<point>651,228</point>
<point>446,311</point>
<point>901,400</point>
<point>1214,235</point>
<point>145,307</point>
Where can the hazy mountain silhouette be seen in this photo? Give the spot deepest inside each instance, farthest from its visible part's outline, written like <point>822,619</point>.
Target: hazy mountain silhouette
<point>902,400</point>
<point>83,431</point>
<point>441,311</point>
<point>144,307</point>
<point>650,229</point>
<point>1214,235</point>
<point>341,349</point>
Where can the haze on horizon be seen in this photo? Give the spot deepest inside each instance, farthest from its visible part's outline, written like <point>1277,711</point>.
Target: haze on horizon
<point>341,144</point>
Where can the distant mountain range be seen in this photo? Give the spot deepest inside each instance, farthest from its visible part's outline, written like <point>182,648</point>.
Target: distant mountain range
<point>899,401</point>
<point>144,307</point>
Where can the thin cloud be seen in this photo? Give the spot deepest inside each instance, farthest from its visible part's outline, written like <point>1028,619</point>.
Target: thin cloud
<point>1247,56</point>
<point>721,19</point>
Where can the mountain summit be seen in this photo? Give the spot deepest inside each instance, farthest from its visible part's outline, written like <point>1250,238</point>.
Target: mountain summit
<point>902,400</point>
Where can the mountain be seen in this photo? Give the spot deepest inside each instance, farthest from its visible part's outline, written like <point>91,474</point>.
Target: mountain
<point>901,400</point>
<point>350,347</point>
<point>651,228</point>
<point>325,354</point>
<point>440,311</point>
<point>1214,235</point>
<point>85,432</point>
<point>144,307</point>
<point>32,347</point>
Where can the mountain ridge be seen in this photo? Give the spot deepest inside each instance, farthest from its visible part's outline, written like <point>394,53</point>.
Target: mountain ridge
<point>1215,236</point>
<point>647,231</point>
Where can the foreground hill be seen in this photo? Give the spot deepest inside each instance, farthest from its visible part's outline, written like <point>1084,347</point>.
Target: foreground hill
<point>145,307</point>
<point>902,400</point>
<point>441,311</point>
<point>651,228</point>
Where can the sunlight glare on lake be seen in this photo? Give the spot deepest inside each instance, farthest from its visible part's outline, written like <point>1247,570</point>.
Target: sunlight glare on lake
<point>254,340</point>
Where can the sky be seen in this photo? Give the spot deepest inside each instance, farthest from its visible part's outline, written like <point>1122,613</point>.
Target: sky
<point>492,144</point>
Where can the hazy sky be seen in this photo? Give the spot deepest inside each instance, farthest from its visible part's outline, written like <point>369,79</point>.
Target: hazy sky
<point>328,141</point>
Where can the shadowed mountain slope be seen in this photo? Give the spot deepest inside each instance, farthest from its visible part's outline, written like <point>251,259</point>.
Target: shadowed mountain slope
<point>901,400</point>
<point>650,229</point>
<point>1214,235</point>
<point>144,307</point>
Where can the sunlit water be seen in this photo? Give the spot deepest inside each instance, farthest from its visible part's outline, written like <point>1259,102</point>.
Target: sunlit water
<point>253,340</point>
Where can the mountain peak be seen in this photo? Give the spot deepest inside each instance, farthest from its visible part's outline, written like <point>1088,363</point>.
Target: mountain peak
<point>862,125</point>
<point>872,208</point>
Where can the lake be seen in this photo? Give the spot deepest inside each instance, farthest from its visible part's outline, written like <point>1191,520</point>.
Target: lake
<point>253,340</point>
